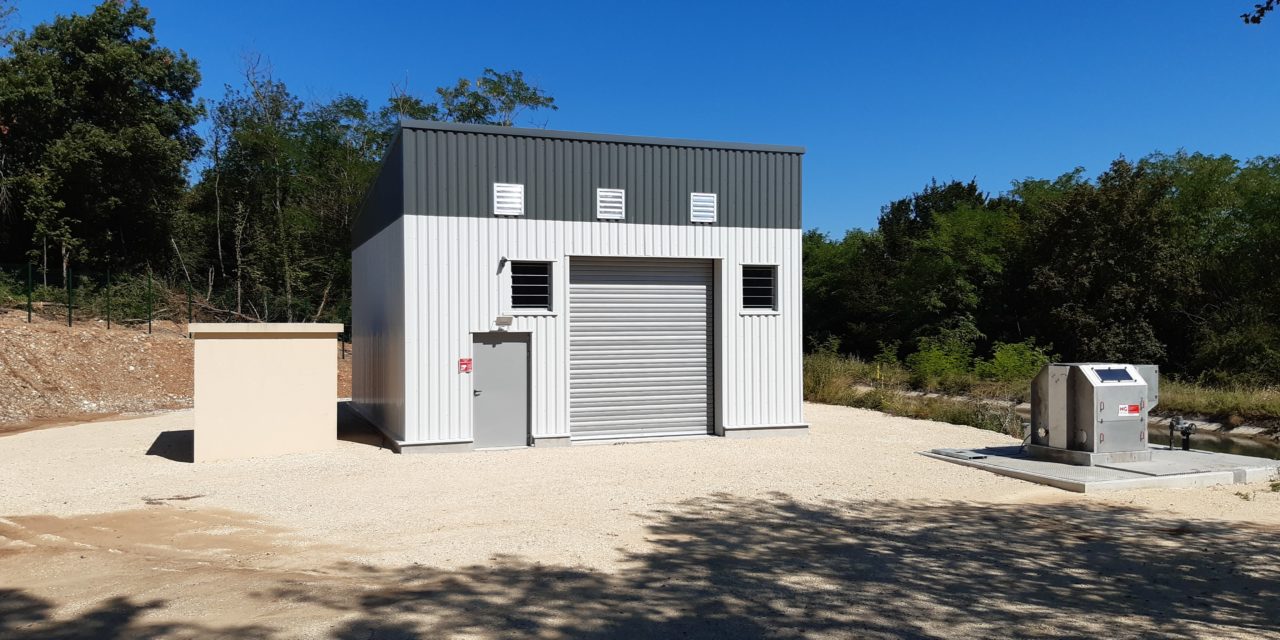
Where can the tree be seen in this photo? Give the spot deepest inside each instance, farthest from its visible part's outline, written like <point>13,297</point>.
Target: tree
<point>6,14</point>
<point>845,300</point>
<point>1259,11</point>
<point>493,98</point>
<point>97,127</point>
<point>1107,264</point>
<point>905,221</point>
<point>956,269</point>
<point>269,222</point>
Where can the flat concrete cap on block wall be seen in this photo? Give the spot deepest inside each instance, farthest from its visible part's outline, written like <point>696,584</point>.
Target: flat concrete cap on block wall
<point>267,329</point>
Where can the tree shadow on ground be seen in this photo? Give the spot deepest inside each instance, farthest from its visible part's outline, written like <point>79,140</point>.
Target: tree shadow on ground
<point>725,566</point>
<point>730,567</point>
<point>22,617</point>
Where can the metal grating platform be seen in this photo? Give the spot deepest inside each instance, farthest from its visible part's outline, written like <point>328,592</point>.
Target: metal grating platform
<point>1165,469</point>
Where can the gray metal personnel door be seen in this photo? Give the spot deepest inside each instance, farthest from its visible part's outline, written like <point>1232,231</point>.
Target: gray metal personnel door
<point>500,386</point>
<point>640,344</point>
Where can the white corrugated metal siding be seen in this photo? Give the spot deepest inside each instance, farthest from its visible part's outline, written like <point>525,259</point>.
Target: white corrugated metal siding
<point>453,286</point>
<point>378,329</point>
<point>639,348</point>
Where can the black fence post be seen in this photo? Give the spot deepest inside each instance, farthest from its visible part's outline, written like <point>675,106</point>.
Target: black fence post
<point>149,301</point>
<point>30,283</point>
<point>70,301</point>
<point>108,298</point>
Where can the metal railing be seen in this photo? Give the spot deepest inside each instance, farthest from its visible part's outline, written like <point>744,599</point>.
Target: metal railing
<point>99,294</point>
<point>27,287</point>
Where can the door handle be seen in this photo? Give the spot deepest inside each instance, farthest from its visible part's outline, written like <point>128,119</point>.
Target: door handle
<point>475,392</point>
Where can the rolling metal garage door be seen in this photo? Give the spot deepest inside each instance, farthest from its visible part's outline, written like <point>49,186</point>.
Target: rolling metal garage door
<point>639,347</point>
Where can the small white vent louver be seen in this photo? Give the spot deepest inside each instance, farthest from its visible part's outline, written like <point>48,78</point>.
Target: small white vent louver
<point>702,207</point>
<point>611,204</point>
<point>508,199</point>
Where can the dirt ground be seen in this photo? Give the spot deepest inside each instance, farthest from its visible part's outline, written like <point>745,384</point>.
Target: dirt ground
<point>51,374</point>
<point>109,533</point>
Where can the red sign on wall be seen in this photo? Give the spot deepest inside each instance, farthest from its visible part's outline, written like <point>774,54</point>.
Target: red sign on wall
<point>464,365</point>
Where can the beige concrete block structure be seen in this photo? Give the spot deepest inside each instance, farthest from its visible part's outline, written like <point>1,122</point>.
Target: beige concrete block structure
<point>264,389</point>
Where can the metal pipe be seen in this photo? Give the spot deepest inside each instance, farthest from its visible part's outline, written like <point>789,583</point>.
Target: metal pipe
<point>30,284</point>
<point>108,297</point>
<point>70,301</point>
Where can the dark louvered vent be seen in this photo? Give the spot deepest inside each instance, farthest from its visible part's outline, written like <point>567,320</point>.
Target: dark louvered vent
<point>531,285</point>
<point>759,287</point>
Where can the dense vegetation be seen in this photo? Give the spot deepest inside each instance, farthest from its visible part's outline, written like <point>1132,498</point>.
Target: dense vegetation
<point>1167,259</point>
<point>101,169</point>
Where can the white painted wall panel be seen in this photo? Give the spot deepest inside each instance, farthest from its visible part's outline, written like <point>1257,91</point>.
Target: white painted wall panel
<point>455,288</point>
<point>378,329</point>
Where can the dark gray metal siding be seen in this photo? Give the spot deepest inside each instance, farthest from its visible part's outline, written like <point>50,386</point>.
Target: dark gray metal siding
<point>454,172</point>
<point>446,169</point>
<point>384,201</point>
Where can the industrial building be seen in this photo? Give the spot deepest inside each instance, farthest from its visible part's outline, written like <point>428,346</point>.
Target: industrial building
<point>516,287</point>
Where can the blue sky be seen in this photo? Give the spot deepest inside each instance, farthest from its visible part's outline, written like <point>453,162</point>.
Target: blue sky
<point>884,96</point>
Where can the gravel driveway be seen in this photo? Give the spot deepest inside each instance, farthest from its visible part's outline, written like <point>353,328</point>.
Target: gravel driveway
<point>107,532</point>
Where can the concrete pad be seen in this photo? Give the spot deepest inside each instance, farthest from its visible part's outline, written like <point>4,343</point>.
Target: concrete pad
<point>1085,458</point>
<point>1166,469</point>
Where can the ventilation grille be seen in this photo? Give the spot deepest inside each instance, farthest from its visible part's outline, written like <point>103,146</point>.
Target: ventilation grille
<point>531,285</point>
<point>702,207</point>
<point>611,204</point>
<point>508,199</point>
<point>758,287</point>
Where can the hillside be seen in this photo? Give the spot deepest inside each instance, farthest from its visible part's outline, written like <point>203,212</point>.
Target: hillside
<point>51,373</point>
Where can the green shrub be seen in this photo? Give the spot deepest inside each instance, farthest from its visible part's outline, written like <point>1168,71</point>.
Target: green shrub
<point>942,363</point>
<point>12,294</point>
<point>1013,362</point>
<point>989,415</point>
<point>1245,352</point>
<point>827,346</point>
<point>128,299</point>
<point>888,355</point>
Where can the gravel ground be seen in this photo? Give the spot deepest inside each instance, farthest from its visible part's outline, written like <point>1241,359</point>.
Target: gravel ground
<point>843,533</point>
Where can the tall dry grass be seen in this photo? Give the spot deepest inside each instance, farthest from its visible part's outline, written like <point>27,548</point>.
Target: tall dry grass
<point>831,378</point>
<point>834,379</point>
<point>1235,404</point>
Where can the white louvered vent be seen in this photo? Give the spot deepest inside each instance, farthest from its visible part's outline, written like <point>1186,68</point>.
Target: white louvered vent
<point>611,204</point>
<point>702,207</point>
<point>508,199</point>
